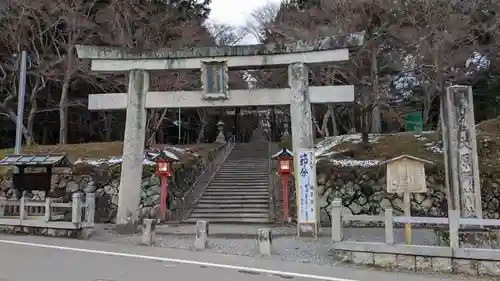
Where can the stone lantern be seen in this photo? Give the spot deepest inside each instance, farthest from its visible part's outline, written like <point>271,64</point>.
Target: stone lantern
<point>220,136</point>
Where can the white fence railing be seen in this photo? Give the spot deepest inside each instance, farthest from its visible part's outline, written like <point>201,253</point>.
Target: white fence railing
<point>453,221</point>
<point>50,213</point>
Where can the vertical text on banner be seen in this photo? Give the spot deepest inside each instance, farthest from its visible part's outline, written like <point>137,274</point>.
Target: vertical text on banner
<point>307,185</point>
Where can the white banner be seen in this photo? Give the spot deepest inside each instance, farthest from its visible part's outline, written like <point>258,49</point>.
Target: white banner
<point>307,184</point>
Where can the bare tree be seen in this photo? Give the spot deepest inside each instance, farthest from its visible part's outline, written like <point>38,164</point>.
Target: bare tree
<point>225,34</point>
<point>261,19</point>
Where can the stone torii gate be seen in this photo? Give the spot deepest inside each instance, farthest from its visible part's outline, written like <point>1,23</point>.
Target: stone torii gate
<point>214,63</point>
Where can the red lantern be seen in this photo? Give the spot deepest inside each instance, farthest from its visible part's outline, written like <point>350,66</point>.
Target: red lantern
<point>284,165</point>
<point>163,168</point>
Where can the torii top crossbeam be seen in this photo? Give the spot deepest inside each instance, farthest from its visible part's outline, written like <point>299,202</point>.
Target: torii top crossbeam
<point>328,49</point>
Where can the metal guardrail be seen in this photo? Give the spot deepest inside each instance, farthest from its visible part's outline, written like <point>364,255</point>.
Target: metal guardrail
<point>208,173</point>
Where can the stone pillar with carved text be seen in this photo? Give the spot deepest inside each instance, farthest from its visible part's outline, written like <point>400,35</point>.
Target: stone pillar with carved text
<point>129,196</point>
<point>461,159</point>
<point>303,149</point>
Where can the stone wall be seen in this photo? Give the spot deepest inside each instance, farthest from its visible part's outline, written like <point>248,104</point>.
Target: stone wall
<point>363,191</point>
<point>103,180</point>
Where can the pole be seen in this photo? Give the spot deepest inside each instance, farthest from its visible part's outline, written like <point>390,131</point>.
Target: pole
<point>179,123</point>
<point>407,213</point>
<point>20,104</point>
<point>285,198</point>
<point>163,198</point>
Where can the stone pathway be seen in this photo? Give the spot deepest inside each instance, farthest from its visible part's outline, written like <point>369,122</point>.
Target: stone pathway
<point>241,240</point>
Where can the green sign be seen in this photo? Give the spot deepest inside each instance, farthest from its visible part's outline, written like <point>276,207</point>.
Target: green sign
<point>413,121</point>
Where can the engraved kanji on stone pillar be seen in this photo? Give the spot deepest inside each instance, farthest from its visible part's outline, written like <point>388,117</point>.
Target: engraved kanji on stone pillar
<point>214,79</point>
<point>461,160</point>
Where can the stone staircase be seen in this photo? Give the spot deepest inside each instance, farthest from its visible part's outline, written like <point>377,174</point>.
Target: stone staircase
<point>239,191</point>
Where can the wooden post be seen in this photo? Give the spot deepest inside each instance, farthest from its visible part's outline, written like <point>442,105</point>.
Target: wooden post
<point>407,213</point>
<point>48,211</point>
<point>76,208</point>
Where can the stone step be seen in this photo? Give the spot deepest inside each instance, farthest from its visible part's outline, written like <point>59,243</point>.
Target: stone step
<point>240,188</point>
<point>225,201</point>
<point>230,220</point>
<point>232,206</point>
<point>249,171</point>
<point>250,160</point>
<point>230,215</point>
<point>236,180</point>
<point>234,167</point>
<point>198,210</point>
<point>243,165</point>
<point>235,194</point>
<point>245,171</point>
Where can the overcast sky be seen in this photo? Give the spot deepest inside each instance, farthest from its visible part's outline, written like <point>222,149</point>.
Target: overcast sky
<point>236,12</point>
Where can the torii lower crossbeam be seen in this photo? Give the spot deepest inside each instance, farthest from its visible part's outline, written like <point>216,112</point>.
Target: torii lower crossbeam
<point>238,98</point>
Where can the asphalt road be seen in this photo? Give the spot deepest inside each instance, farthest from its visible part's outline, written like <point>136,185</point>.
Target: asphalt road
<point>30,258</point>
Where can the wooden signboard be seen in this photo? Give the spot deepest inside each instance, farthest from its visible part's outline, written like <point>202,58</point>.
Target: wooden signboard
<point>406,174</point>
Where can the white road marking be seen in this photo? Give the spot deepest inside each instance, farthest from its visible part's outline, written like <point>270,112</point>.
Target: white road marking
<point>199,263</point>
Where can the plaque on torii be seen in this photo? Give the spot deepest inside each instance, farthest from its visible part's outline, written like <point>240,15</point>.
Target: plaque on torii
<point>214,79</point>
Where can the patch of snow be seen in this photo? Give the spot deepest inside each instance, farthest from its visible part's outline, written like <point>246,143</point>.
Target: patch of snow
<point>119,160</point>
<point>332,153</point>
<point>420,137</point>
<point>435,148</point>
<point>110,161</point>
<point>167,153</point>
<point>178,149</point>
<point>330,142</point>
<point>354,163</point>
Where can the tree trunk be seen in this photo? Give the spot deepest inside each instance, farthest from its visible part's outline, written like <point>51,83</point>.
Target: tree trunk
<point>13,117</point>
<point>202,113</point>
<point>376,123</point>
<point>155,121</point>
<point>333,117</point>
<point>33,110</point>
<point>63,102</point>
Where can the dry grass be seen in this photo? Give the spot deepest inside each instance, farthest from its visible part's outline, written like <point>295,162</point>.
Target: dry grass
<point>418,144</point>
<point>96,150</point>
<point>390,146</point>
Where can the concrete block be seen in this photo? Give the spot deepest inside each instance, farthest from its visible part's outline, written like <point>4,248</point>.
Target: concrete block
<point>265,241</point>
<point>489,268</point>
<point>201,240</point>
<point>148,232</point>
<point>442,264</point>
<point>385,260</point>
<point>406,262</point>
<point>464,266</point>
<point>362,258</point>
<point>423,263</point>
